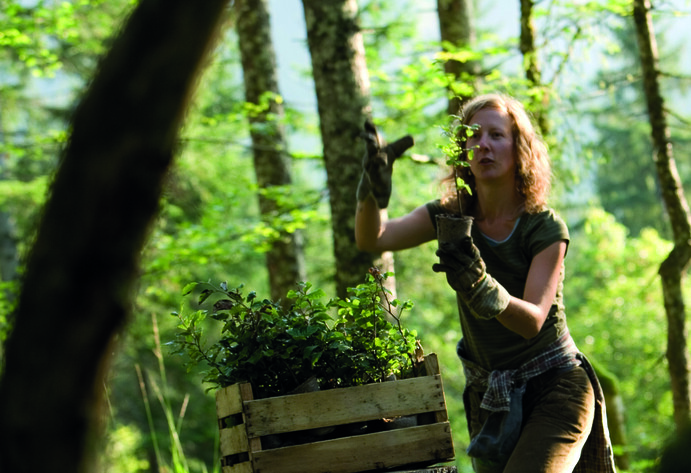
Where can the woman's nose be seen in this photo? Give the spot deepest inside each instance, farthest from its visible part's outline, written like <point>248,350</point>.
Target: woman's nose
<point>482,141</point>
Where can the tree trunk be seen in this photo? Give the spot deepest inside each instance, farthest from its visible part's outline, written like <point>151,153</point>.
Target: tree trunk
<point>9,257</point>
<point>342,85</point>
<point>613,400</point>
<point>673,269</point>
<point>531,66</point>
<point>79,279</point>
<point>616,413</point>
<point>284,260</point>
<point>456,25</point>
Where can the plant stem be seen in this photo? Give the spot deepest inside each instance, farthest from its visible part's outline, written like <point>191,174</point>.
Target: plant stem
<point>397,318</point>
<point>458,191</point>
<point>149,416</point>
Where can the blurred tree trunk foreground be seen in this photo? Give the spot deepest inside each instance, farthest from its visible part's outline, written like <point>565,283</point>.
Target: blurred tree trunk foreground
<point>84,262</point>
<point>341,80</point>
<point>673,269</point>
<point>284,260</point>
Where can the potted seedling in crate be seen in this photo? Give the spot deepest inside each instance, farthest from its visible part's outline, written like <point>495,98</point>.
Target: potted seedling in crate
<point>338,343</point>
<point>315,386</point>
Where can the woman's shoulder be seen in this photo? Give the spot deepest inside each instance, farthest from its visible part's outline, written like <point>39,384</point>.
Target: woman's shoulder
<point>541,229</point>
<point>547,218</point>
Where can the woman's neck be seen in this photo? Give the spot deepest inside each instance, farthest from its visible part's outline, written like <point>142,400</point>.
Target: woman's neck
<point>498,205</point>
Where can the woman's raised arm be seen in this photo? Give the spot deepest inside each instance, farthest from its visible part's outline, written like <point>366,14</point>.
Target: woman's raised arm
<point>374,232</point>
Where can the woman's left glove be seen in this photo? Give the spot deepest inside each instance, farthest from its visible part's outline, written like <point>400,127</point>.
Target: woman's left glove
<point>466,273</point>
<point>377,165</point>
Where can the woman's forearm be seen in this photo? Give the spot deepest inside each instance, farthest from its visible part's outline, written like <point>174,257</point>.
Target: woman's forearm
<point>368,222</point>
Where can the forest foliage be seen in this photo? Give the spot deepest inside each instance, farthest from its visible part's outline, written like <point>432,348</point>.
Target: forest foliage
<point>209,229</point>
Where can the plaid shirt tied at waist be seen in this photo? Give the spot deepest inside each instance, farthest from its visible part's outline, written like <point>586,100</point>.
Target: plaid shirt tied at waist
<point>597,455</point>
<point>498,383</point>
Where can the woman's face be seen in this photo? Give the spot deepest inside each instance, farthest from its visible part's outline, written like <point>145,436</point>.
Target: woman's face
<point>493,154</point>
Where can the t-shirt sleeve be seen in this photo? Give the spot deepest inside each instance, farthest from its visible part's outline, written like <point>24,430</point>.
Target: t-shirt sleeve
<point>543,230</point>
<point>435,208</point>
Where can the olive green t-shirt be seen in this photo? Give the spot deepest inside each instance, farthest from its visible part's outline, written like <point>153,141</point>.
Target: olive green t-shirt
<point>488,342</point>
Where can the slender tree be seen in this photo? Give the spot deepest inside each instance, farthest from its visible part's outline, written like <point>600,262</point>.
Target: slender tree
<point>83,264</point>
<point>673,269</point>
<point>9,259</point>
<point>531,64</point>
<point>457,29</point>
<point>342,86</point>
<point>613,399</point>
<point>284,260</point>
<point>627,184</point>
<point>9,265</point>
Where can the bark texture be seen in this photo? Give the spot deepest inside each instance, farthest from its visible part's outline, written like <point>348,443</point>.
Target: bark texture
<point>9,259</point>
<point>9,256</point>
<point>673,269</point>
<point>531,65</point>
<point>77,289</point>
<point>456,26</point>
<point>342,86</point>
<point>284,260</point>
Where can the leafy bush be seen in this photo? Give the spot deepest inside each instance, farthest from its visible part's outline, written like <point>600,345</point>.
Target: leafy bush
<point>616,316</point>
<point>343,342</point>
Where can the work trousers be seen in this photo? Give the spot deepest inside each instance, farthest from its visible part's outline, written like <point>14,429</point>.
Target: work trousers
<point>558,413</point>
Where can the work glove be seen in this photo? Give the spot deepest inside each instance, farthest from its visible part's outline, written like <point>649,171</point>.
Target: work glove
<point>466,273</point>
<point>377,165</point>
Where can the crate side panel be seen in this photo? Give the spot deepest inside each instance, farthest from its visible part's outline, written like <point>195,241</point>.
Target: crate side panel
<point>432,367</point>
<point>429,443</point>
<point>233,440</point>
<point>228,401</point>
<point>432,364</point>
<point>344,405</point>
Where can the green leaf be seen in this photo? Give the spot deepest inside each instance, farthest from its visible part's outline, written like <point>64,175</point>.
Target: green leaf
<point>188,288</point>
<point>335,336</point>
<point>321,317</point>
<point>317,294</point>
<point>204,295</point>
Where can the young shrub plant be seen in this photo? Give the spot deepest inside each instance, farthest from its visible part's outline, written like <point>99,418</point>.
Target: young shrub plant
<point>454,149</point>
<point>280,347</point>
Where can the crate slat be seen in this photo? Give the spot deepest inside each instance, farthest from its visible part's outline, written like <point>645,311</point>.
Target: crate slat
<point>346,405</point>
<point>233,440</point>
<point>429,443</point>
<point>430,365</point>
<point>228,401</point>
<point>425,444</point>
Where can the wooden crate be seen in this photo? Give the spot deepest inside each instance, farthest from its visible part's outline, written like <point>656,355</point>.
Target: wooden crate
<point>246,445</point>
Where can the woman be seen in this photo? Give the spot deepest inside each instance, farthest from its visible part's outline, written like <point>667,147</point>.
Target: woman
<point>531,398</point>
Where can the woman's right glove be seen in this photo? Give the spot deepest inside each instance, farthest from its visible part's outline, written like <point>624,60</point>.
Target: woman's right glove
<point>466,273</point>
<point>377,165</point>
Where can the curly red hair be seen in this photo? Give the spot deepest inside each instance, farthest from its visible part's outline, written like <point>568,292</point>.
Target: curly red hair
<point>533,169</point>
